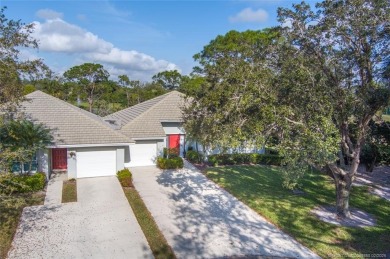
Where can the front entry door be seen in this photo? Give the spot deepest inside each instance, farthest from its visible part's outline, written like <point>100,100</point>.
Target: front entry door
<point>174,141</point>
<point>59,158</point>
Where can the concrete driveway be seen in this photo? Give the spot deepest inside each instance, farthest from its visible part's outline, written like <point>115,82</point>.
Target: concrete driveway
<point>200,220</point>
<point>100,224</point>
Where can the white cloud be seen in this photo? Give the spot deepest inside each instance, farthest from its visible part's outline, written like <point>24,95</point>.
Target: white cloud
<point>250,15</point>
<point>57,35</point>
<point>48,14</point>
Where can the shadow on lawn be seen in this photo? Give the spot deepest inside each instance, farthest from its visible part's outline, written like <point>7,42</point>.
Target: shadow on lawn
<point>209,217</point>
<point>292,212</point>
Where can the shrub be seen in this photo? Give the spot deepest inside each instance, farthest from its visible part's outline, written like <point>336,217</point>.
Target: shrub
<point>125,177</point>
<point>193,156</point>
<point>23,183</point>
<point>170,163</point>
<point>170,152</point>
<point>237,159</point>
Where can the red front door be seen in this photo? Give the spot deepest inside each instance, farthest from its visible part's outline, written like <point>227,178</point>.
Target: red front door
<point>174,141</point>
<point>59,158</point>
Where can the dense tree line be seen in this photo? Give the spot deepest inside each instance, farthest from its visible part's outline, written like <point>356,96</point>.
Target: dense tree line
<point>90,86</point>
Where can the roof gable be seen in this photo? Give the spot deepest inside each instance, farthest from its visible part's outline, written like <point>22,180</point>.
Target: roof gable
<point>144,120</point>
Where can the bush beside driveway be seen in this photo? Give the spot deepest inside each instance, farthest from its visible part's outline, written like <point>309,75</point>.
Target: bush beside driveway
<point>100,224</point>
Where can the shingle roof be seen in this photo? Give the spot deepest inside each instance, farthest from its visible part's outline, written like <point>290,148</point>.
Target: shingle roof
<point>70,124</point>
<point>126,115</point>
<point>144,120</point>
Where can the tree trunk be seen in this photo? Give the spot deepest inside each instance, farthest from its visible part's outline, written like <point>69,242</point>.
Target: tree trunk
<point>343,188</point>
<point>90,102</point>
<point>343,182</point>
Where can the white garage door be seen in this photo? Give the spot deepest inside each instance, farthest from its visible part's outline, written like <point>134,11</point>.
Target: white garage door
<point>96,163</point>
<point>143,154</point>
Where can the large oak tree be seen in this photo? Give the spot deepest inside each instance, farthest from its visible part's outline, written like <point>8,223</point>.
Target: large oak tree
<point>314,87</point>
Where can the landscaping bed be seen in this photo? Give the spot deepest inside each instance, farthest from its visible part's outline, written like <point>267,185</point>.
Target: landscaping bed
<point>69,191</point>
<point>260,188</point>
<point>11,208</point>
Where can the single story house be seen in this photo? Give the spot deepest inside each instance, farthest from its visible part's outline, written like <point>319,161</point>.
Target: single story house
<point>86,145</point>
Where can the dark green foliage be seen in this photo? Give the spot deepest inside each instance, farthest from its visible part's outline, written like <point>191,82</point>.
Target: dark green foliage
<point>170,152</point>
<point>22,183</point>
<point>170,163</point>
<point>249,158</point>
<point>169,80</point>
<point>377,147</point>
<point>125,177</point>
<point>193,156</point>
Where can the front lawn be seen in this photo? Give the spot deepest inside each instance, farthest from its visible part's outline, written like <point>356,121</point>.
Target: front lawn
<point>11,208</point>
<point>260,188</point>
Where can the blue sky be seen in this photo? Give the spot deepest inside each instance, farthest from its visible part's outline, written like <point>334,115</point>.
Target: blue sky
<point>137,38</point>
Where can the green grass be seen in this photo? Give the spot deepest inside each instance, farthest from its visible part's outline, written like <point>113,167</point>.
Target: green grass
<point>386,117</point>
<point>156,239</point>
<point>260,188</point>
<point>69,191</point>
<point>11,208</point>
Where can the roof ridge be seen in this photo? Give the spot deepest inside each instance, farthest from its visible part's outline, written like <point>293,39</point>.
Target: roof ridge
<point>138,104</point>
<point>161,97</point>
<point>89,115</point>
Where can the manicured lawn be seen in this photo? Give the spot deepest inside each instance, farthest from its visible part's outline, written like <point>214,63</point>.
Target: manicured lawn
<point>11,208</point>
<point>260,188</point>
<point>156,239</point>
<point>69,191</point>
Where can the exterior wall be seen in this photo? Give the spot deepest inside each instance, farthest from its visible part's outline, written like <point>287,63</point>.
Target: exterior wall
<point>120,158</point>
<point>160,146</point>
<point>43,162</point>
<point>72,163</point>
<point>173,128</point>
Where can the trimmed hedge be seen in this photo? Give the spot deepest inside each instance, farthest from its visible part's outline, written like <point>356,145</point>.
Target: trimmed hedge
<point>193,156</point>
<point>170,163</point>
<point>125,177</point>
<point>249,158</point>
<point>23,183</point>
<point>171,152</point>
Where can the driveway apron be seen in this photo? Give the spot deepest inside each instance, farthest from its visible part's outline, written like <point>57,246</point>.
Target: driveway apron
<point>201,220</point>
<point>100,224</point>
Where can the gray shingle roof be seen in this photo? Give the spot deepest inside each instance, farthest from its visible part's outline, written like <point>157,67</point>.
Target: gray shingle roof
<point>126,115</point>
<point>144,120</point>
<point>70,124</point>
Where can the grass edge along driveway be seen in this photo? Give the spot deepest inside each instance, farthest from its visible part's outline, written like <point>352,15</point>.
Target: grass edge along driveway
<point>260,187</point>
<point>157,242</point>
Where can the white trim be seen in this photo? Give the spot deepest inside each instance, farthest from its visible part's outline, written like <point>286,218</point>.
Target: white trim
<point>92,145</point>
<point>151,138</point>
<point>178,121</point>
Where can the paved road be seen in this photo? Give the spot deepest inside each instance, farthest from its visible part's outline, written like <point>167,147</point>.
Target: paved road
<point>100,224</point>
<point>200,220</point>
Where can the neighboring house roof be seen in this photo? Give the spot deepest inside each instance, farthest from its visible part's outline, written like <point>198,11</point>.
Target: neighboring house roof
<point>70,124</point>
<point>144,120</point>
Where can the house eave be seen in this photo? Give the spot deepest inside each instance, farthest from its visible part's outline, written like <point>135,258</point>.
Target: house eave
<point>91,145</point>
